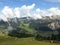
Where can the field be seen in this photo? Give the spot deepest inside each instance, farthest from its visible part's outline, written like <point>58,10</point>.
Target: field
<point>4,40</point>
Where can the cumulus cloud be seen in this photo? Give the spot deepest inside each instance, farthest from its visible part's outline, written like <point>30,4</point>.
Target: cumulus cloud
<point>8,12</point>
<point>17,12</point>
<point>53,0</point>
<point>26,11</point>
<point>37,14</point>
<point>54,11</point>
<point>48,12</point>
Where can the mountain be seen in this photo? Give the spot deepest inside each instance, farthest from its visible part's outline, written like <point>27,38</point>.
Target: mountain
<point>52,22</point>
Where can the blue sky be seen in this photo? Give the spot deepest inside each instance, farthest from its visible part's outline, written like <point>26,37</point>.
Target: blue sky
<point>43,4</point>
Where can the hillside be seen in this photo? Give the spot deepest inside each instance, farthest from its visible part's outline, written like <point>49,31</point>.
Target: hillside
<point>40,29</point>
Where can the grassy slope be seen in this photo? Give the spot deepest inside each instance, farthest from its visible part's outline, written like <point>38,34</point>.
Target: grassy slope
<point>4,40</point>
<point>26,27</point>
<point>23,41</point>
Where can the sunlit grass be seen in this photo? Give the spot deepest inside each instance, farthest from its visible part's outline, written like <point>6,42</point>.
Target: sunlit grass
<point>23,41</point>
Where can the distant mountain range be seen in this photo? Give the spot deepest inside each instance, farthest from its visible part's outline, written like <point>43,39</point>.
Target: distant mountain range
<point>51,21</point>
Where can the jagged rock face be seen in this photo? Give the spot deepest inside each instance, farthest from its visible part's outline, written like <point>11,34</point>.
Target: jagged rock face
<point>54,25</point>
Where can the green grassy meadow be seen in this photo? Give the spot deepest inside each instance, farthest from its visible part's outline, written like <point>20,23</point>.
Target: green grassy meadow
<point>6,40</point>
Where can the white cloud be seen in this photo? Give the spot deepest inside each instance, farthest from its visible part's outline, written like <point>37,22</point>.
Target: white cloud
<point>8,12</point>
<point>54,11</point>
<point>53,0</point>
<point>48,12</point>
<point>37,14</point>
<point>17,12</point>
<point>24,10</point>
